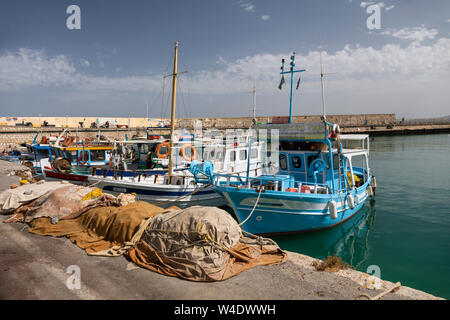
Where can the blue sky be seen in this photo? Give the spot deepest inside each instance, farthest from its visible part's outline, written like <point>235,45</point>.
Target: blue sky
<point>114,65</point>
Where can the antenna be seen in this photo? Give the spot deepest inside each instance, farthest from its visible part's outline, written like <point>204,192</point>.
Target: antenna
<point>321,82</point>
<point>254,94</point>
<point>254,101</point>
<point>291,72</point>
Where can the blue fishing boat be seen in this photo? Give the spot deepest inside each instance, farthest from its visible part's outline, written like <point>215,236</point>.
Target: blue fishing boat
<point>315,178</point>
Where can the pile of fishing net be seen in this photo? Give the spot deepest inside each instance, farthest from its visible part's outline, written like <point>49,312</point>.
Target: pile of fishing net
<point>103,231</point>
<point>12,199</point>
<point>63,201</point>
<point>197,243</point>
<point>201,244</point>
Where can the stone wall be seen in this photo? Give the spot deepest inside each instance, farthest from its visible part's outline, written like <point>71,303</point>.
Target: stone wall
<point>220,123</point>
<point>352,120</point>
<point>74,122</point>
<point>19,135</point>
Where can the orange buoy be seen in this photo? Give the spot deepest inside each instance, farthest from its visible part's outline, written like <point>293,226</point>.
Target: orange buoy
<point>193,152</point>
<point>158,148</point>
<point>68,141</point>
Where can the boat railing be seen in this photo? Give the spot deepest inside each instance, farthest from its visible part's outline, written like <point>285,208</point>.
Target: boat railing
<point>282,183</point>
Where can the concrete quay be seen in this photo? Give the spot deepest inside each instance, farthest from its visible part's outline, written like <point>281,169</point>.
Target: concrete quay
<point>35,267</point>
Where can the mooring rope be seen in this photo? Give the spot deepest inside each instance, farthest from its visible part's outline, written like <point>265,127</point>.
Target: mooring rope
<point>256,203</point>
<point>395,287</point>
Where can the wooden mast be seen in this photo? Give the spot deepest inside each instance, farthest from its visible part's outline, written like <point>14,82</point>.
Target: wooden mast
<point>172,117</point>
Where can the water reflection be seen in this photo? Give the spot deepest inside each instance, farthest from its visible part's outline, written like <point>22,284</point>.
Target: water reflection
<point>348,240</point>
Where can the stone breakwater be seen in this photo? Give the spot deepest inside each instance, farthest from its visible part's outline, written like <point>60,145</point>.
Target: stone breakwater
<point>373,124</point>
<point>208,122</point>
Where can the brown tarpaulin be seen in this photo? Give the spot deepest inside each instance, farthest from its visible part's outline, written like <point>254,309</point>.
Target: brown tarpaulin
<point>106,231</point>
<point>201,244</point>
<point>241,257</point>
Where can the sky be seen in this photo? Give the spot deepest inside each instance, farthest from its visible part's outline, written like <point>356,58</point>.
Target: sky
<point>114,64</point>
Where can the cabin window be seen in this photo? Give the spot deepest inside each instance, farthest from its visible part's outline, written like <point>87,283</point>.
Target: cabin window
<point>58,153</point>
<point>219,155</point>
<point>41,154</point>
<point>68,155</point>
<point>311,159</point>
<point>254,154</point>
<point>84,156</point>
<point>243,154</point>
<point>335,161</point>
<point>232,155</point>
<point>97,155</point>
<point>283,162</point>
<point>143,148</point>
<point>211,155</point>
<point>296,162</point>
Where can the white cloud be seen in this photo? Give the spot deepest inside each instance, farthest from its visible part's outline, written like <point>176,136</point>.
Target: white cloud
<point>248,6</point>
<point>364,4</point>
<point>30,68</point>
<point>389,7</point>
<point>417,34</point>
<point>357,73</point>
<point>84,63</point>
<point>265,17</point>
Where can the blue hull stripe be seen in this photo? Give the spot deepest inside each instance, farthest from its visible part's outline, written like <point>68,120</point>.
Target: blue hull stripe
<point>313,212</point>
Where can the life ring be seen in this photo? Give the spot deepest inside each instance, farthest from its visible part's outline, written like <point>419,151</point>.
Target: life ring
<point>68,141</point>
<point>63,140</point>
<point>85,156</point>
<point>193,152</point>
<point>87,142</point>
<point>158,148</point>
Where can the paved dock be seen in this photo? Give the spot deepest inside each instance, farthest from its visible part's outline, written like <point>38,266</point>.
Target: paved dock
<point>35,267</point>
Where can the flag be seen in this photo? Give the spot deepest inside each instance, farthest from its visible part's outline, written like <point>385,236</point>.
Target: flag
<point>281,82</point>
<point>298,83</point>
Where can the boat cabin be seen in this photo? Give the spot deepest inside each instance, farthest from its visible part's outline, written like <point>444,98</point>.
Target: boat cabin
<point>313,159</point>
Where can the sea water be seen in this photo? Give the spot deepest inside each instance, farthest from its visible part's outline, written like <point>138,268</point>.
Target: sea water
<point>405,233</point>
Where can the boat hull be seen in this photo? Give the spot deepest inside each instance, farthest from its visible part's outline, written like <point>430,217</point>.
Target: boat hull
<point>53,175</point>
<point>284,212</point>
<point>162,195</point>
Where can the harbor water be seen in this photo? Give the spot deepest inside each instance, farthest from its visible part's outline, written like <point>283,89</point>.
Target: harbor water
<point>404,234</point>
